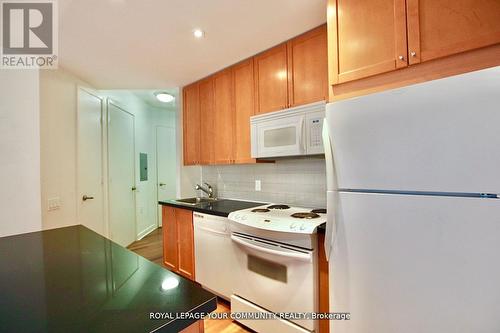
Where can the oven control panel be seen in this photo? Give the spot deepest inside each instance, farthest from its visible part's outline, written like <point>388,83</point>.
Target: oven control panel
<point>314,133</point>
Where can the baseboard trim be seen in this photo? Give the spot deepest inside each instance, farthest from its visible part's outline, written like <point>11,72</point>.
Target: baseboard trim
<point>146,231</point>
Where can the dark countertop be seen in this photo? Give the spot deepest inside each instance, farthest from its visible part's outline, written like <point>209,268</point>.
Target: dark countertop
<point>74,280</point>
<point>220,207</point>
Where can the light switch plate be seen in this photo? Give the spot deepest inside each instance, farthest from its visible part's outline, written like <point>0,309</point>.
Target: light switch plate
<point>54,203</point>
<point>258,185</point>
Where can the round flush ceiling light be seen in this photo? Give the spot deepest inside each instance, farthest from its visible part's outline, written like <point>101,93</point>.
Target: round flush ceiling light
<point>198,33</point>
<point>164,97</point>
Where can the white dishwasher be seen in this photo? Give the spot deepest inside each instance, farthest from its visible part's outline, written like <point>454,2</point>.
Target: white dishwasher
<point>214,254</point>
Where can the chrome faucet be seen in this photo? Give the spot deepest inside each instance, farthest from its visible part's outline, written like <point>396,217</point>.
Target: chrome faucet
<point>209,190</point>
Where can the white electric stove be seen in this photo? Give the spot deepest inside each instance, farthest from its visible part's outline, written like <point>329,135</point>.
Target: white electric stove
<point>276,265</point>
<point>293,225</point>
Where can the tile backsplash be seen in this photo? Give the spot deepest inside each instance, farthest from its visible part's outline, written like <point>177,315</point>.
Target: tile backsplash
<point>299,182</point>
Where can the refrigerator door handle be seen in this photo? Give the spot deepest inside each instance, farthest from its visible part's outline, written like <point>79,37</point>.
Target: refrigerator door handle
<point>331,187</point>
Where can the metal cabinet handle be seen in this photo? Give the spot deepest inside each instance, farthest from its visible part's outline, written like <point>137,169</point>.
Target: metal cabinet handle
<point>413,53</point>
<point>401,57</point>
<point>134,188</point>
<point>162,184</point>
<point>86,197</point>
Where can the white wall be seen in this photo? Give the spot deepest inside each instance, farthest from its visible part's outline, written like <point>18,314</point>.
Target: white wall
<point>58,110</point>
<point>19,152</point>
<point>58,113</point>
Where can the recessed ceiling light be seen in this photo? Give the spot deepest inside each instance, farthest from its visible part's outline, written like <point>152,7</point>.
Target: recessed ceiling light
<point>198,33</point>
<point>164,97</point>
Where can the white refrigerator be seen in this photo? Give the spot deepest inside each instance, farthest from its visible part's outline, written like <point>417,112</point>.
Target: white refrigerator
<point>413,232</point>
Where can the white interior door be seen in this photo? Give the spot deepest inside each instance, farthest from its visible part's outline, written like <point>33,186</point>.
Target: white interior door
<point>121,175</point>
<point>89,165</point>
<point>165,165</point>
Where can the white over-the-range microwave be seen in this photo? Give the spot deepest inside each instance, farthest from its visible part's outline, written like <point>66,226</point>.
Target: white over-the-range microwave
<point>291,132</point>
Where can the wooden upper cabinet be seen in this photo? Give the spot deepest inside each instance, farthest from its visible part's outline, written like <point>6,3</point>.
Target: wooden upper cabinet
<point>185,236</point>
<point>207,130</point>
<point>365,37</point>
<point>224,117</point>
<point>170,232</point>
<point>243,109</point>
<point>445,27</point>
<point>271,76</point>
<point>191,124</point>
<point>308,67</point>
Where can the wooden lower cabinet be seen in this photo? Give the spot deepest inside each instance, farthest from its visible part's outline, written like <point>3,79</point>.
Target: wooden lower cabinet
<point>170,247</point>
<point>185,241</point>
<point>178,240</point>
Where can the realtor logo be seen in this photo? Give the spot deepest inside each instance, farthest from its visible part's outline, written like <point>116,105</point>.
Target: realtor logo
<point>29,34</point>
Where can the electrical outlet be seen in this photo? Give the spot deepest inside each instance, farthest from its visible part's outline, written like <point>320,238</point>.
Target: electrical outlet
<point>258,186</point>
<point>54,203</point>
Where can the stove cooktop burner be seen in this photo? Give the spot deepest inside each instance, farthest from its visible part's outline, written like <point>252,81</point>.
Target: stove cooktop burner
<point>260,210</point>
<point>319,211</point>
<point>279,207</point>
<point>307,215</point>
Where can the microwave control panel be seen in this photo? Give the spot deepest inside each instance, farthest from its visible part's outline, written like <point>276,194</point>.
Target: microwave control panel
<point>314,135</point>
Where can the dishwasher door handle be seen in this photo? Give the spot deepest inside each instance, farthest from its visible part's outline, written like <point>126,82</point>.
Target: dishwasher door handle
<point>216,232</point>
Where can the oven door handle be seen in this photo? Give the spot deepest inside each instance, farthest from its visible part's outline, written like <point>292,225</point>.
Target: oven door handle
<point>289,253</point>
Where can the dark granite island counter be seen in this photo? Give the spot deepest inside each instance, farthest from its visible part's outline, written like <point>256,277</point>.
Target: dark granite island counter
<point>74,280</point>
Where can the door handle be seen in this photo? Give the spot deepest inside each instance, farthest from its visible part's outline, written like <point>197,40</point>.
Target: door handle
<point>86,197</point>
<point>133,188</point>
<point>302,139</point>
<point>162,184</point>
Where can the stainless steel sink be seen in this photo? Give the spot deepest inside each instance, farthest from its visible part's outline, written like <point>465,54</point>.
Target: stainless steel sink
<point>195,201</point>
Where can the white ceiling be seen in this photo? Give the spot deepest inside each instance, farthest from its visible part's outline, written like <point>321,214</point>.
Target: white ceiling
<point>148,44</point>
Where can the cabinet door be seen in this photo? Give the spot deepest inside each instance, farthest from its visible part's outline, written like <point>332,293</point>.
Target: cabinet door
<point>170,246</point>
<point>445,27</point>
<point>308,67</point>
<point>224,117</point>
<point>191,124</point>
<point>207,131</point>
<point>366,37</point>
<point>186,242</point>
<point>271,86</point>
<point>243,110</point>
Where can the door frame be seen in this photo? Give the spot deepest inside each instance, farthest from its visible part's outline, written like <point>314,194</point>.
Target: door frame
<point>104,174</point>
<point>109,102</point>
